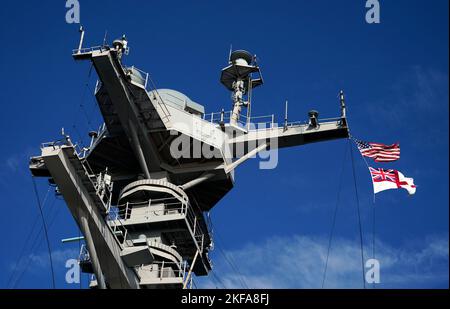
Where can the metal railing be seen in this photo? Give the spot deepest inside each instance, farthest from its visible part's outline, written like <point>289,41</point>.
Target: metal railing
<point>86,50</point>
<point>102,191</point>
<point>150,88</point>
<point>143,77</point>
<point>55,144</point>
<point>80,150</point>
<point>165,269</point>
<point>170,206</point>
<point>258,122</point>
<point>117,227</point>
<point>167,248</point>
<point>243,121</point>
<point>294,124</point>
<point>197,231</point>
<point>159,100</point>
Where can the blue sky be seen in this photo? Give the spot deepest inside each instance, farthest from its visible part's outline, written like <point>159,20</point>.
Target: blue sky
<point>275,223</point>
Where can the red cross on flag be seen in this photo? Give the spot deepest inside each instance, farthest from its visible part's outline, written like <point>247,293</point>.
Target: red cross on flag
<point>384,179</point>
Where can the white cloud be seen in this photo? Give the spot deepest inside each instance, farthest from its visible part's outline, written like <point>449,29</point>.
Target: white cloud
<point>298,262</point>
<point>13,163</point>
<point>36,262</point>
<point>415,94</point>
<point>418,97</point>
<point>59,257</point>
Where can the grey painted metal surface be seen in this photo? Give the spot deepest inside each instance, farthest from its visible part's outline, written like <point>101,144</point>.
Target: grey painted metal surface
<point>144,206</point>
<point>75,184</point>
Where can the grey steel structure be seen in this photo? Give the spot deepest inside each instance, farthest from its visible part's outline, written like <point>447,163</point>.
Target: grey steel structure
<point>140,191</point>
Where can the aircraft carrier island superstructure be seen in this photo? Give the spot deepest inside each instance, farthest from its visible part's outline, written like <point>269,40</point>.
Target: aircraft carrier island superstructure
<point>140,192</point>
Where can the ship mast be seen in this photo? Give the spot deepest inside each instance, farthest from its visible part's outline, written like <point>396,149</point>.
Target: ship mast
<point>140,206</point>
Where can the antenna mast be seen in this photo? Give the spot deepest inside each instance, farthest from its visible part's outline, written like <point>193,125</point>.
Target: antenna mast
<point>237,77</point>
<point>140,208</point>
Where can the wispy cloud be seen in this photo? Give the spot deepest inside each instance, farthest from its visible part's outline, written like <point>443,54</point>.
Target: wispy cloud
<point>298,262</point>
<point>14,164</point>
<point>36,262</point>
<point>419,96</point>
<point>37,265</point>
<point>59,257</point>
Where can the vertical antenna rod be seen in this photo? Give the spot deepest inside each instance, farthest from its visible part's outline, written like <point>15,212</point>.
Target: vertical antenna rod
<point>81,30</point>
<point>342,100</point>
<point>286,116</point>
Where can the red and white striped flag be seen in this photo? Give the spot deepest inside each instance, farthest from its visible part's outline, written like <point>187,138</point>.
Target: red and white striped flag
<point>379,152</point>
